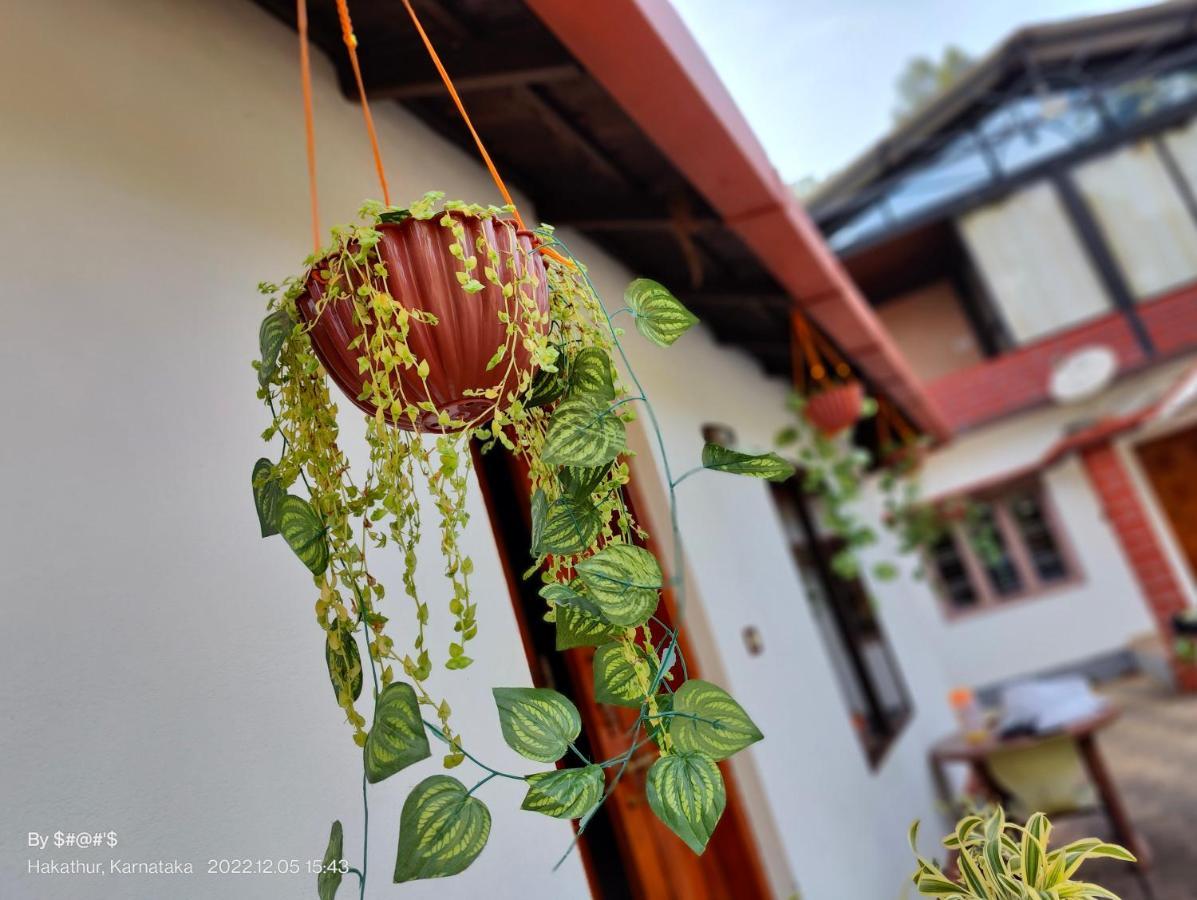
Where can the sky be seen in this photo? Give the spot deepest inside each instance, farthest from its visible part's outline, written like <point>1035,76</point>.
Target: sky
<point>815,78</point>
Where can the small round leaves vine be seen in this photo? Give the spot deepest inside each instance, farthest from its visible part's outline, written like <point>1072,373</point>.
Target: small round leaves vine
<point>445,323</point>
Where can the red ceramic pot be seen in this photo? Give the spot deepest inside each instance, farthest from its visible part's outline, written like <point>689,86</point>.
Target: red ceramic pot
<point>422,274</point>
<point>836,408</point>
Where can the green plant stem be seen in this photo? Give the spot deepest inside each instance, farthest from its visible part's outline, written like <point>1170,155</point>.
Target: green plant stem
<point>578,753</point>
<point>475,760</point>
<point>480,783</point>
<point>688,473</point>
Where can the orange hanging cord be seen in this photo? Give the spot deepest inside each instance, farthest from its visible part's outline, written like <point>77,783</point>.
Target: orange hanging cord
<point>465,116</point>
<point>350,40</point>
<point>806,344</point>
<point>309,124</point>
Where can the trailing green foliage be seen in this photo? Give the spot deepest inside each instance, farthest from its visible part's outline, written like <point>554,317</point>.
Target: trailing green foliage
<point>685,790</point>
<point>758,465</point>
<point>660,316</point>
<point>397,739</point>
<point>563,411</point>
<point>442,829</point>
<point>537,723</point>
<point>332,867</point>
<point>1000,860</point>
<point>565,793</point>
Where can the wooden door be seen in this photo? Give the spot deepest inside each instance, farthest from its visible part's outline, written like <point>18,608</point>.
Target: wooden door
<point>627,851</point>
<point>1171,466</point>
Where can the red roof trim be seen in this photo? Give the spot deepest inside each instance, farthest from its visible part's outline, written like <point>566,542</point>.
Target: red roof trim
<point>643,54</point>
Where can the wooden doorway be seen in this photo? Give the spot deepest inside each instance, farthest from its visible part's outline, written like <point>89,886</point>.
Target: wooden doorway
<point>1171,466</point>
<point>627,852</point>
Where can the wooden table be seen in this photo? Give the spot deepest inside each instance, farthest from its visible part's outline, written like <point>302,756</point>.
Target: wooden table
<point>957,748</point>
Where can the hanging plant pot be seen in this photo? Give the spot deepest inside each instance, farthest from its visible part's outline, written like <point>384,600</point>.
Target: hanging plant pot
<point>459,343</point>
<point>836,408</point>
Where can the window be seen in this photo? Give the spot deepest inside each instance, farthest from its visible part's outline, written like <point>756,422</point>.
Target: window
<point>863,664</point>
<point>1143,216</point>
<point>1033,263</point>
<point>1007,547</point>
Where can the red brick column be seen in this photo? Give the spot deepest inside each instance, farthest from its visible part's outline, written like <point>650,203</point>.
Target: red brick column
<point>1126,514</point>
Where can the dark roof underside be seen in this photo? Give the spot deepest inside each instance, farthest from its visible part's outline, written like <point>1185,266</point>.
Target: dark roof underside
<point>558,136</point>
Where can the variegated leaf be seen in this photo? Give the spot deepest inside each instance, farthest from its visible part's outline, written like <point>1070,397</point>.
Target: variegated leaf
<point>329,878</point>
<point>579,481</point>
<point>660,316</point>
<point>397,739</point>
<point>441,830</point>
<point>546,387</point>
<point>272,334</point>
<point>590,375</point>
<point>570,525</point>
<point>581,625</point>
<point>615,678</point>
<point>565,793</point>
<point>540,513</point>
<point>710,721</point>
<point>302,529</point>
<point>623,580</point>
<point>583,432</point>
<point>538,723</point>
<point>268,496</point>
<point>757,465</point>
<point>686,792</point>
<point>344,663</point>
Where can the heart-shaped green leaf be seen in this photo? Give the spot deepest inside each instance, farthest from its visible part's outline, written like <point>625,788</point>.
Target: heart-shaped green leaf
<point>570,525</point>
<point>272,334</point>
<point>686,792</point>
<point>583,432</point>
<point>344,663</point>
<point>302,529</point>
<point>623,580</point>
<point>538,723</point>
<point>713,723</point>
<point>581,481</point>
<point>660,316</point>
<point>397,738</point>
<point>757,465</point>
<point>329,878</point>
<point>565,793</point>
<point>268,496</point>
<point>394,216</point>
<point>546,387</point>
<point>578,621</point>
<point>590,375</point>
<point>441,830</point>
<point>615,678</point>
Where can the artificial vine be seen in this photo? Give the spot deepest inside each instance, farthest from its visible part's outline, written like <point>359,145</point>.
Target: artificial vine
<point>553,398</point>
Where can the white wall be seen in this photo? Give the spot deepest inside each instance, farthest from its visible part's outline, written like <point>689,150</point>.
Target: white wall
<point>1096,615</point>
<point>163,676</point>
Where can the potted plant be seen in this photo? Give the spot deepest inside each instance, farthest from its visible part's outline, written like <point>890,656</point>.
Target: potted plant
<point>516,354</point>
<point>834,408</point>
<point>997,859</point>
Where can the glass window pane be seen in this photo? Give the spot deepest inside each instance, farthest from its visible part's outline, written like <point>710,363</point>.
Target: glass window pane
<point>1143,217</point>
<point>952,574</point>
<point>1034,528</point>
<point>1033,264</point>
<point>989,545</point>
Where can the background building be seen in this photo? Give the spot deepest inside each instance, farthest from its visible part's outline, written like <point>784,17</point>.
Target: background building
<point>1042,205</point>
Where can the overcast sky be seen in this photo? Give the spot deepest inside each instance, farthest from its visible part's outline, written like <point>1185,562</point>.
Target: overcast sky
<point>816,77</point>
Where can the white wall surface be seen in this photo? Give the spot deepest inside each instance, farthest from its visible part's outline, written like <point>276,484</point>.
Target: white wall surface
<point>1096,615</point>
<point>163,677</point>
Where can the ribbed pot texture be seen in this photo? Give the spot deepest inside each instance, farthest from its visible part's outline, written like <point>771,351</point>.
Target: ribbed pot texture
<point>836,408</point>
<point>422,274</point>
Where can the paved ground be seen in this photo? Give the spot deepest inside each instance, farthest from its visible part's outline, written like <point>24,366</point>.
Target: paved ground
<point>1152,752</point>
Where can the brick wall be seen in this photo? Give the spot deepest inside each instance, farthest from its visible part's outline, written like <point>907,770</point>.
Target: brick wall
<point>1126,515</point>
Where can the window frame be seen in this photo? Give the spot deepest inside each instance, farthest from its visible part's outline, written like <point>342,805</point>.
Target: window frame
<point>1033,585</point>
